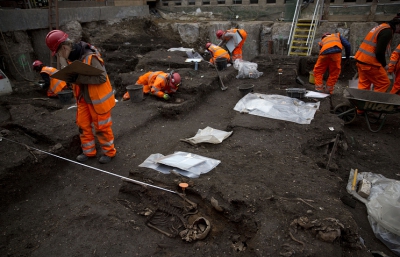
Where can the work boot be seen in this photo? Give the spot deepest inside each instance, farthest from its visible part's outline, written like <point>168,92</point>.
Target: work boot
<point>82,158</point>
<point>105,159</point>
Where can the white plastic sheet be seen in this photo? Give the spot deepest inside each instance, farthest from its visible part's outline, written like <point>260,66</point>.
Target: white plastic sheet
<point>182,49</point>
<point>383,207</point>
<point>246,69</point>
<point>193,165</point>
<point>208,135</point>
<point>277,107</point>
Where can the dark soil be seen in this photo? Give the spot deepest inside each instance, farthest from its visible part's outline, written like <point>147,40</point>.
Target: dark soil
<point>272,182</point>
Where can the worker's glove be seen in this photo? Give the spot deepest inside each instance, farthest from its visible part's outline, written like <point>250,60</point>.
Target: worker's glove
<point>71,78</point>
<point>166,96</point>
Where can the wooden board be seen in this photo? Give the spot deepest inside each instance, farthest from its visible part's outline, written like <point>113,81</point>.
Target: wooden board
<point>77,67</point>
<point>230,45</point>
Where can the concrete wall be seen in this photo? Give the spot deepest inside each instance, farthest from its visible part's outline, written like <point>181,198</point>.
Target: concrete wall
<point>24,32</point>
<point>15,19</point>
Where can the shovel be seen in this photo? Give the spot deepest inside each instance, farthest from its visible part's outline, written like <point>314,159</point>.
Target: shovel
<point>223,87</point>
<point>298,79</point>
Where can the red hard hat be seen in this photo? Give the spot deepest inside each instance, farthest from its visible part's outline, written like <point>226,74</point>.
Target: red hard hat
<point>325,34</point>
<point>208,45</point>
<point>175,79</point>
<point>219,33</point>
<point>37,63</point>
<point>54,38</point>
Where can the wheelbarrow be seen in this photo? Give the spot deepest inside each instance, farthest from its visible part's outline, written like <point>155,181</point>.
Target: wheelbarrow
<point>375,106</point>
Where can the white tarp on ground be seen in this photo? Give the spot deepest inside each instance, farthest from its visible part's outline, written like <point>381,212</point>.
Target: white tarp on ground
<point>383,206</point>
<point>187,164</point>
<point>208,135</point>
<point>277,107</point>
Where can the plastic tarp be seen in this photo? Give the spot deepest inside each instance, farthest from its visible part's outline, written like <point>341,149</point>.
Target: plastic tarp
<point>277,107</point>
<point>208,135</point>
<point>182,49</point>
<point>187,164</point>
<point>246,69</point>
<point>383,207</point>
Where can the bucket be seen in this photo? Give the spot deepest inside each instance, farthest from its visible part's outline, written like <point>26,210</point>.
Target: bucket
<point>311,79</point>
<point>135,93</point>
<point>65,96</point>
<point>246,88</point>
<point>221,63</point>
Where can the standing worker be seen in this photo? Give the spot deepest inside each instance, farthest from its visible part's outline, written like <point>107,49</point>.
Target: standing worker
<point>94,95</point>
<point>330,57</point>
<point>53,86</point>
<point>217,52</point>
<point>371,61</point>
<point>394,67</point>
<point>158,83</point>
<point>225,36</point>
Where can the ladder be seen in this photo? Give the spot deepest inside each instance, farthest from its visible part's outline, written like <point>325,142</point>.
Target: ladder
<point>53,24</point>
<point>302,32</point>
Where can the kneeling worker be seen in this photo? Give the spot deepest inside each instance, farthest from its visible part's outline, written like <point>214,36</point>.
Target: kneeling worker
<point>158,83</point>
<point>53,86</point>
<point>217,52</point>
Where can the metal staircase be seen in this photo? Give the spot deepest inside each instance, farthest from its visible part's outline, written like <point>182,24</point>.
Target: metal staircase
<point>302,32</point>
<point>53,24</point>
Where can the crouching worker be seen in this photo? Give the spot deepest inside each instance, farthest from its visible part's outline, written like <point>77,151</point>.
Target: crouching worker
<point>217,52</point>
<point>94,95</point>
<point>53,86</point>
<point>330,57</point>
<point>394,67</point>
<point>158,83</point>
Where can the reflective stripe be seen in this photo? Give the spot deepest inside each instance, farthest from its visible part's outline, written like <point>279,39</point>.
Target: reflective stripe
<point>55,85</point>
<point>105,121</point>
<point>367,52</point>
<point>89,150</point>
<point>109,143</point>
<point>397,50</point>
<point>91,143</point>
<point>155,89</point>
<point>369,43</point>
<point>105,98</point>
<point>393,62</point>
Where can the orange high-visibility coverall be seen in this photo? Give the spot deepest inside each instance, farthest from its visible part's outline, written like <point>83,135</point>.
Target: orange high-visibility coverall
<point>155,82</point>
<point>394,66</point>
<point>95,99</point>
<point>370,70</point>
<point>237,52</point>
<point>56,85</point>
<point>218,52</point>
<point>328,61</point>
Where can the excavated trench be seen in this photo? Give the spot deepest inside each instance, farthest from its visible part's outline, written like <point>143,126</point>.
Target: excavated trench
<point>272,174</point>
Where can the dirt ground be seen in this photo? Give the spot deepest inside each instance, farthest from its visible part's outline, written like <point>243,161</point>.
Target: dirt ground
<point>271,195</point>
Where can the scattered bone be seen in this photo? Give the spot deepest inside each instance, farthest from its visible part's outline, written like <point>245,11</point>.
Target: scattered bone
<point>214,203</point>
<point>299,199</point>
<point>298,241</point>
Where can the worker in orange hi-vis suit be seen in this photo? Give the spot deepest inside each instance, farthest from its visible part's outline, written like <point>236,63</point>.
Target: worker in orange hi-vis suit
<point>394,67</point>
<point>94,95</point>
<point>52,85</point>
<point>158,83</point>
<point>225,36</point>
<point>371,61</point>
<point>217,52</point>
<point>330,57</point>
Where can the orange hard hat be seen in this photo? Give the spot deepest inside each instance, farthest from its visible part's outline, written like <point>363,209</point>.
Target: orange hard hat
<point>208,45</point>
<point>54,38</point>
<point>325,34</point>
<point>37,63</point>
<point>219,33</point>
